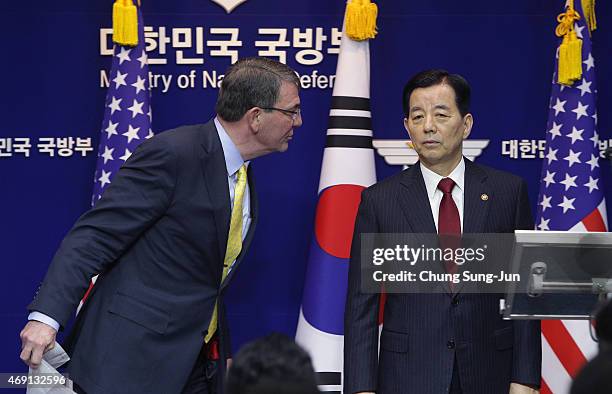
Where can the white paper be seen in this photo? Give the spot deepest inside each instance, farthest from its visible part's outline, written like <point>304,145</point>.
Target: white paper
<point>52,360</point>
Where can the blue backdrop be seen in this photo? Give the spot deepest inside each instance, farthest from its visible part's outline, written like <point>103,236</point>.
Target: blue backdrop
<point>55,59</point>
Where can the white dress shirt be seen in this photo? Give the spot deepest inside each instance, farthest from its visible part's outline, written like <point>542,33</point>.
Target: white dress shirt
<point>435,195</point>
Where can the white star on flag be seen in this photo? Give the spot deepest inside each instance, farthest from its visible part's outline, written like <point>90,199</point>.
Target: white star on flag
<point>126,155</point>
<point>111,129</point>
<point>124,55</point>
<point>572,158</point>
<point>595,139</point>
<point>119,79</point>
<point>108,154</point>
<point>590,62</point>
<point>569,181</point>
<point>114,105</point>
<point>105,178</point>
<point>544,224</point>
<point>592,184</point>
<point>552,155</point>
<point>559,107</point>
<point>132,133</point>
<point>545,203</point>
<point>143,59</point>
<point>580,110</point>
<point>567,204</point>
<point>139,84</point>
<point>550,178</point>
<point>555,131</point>
<point>575,135</point>
<point>136,108</point>
<point>585,87</point>
<point>594,162</point>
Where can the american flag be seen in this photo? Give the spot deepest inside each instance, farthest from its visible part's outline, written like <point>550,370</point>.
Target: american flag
<point>127,116</point>
<point>127,113</point>
<point>571,199</point>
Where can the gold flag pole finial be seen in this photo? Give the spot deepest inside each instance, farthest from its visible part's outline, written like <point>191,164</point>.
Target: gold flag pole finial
<point>361,19</point>
<point>125,22</point>
<point>588,9</point>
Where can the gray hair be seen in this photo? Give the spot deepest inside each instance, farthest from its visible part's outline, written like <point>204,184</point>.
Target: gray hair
<point>252,82</point>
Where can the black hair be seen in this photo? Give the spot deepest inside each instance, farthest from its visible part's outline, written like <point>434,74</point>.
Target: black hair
<point>274,361</point>
<point>428,78</point>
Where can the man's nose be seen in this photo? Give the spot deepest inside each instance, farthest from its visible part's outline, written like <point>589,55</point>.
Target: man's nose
<point>429,126</point>
<point>298,120</point>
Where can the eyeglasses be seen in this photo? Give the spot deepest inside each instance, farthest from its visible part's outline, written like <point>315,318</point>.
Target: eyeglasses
<point>292,114</point>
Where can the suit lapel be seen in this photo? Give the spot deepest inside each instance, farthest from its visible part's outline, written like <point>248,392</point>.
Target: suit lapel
<point>476,198</point>
<point>215,176</point>
<point>415,202</point>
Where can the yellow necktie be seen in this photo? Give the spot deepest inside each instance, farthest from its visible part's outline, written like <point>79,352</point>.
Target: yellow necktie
<point>234,240</point>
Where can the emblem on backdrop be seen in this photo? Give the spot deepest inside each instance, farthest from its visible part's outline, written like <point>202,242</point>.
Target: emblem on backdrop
<point>401,153</point>
<point>229,5</point>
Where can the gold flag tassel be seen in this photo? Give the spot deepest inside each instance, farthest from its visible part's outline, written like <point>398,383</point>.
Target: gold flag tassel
<point>570,50</point>
<point>361,20</point>
<point>125,23</point>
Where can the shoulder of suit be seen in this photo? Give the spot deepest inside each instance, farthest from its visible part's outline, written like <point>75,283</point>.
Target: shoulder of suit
<point>495,175</point>
<point>491,174</point>
<point>181,140</point>
<point>387,184</point>
<point>182,133</point>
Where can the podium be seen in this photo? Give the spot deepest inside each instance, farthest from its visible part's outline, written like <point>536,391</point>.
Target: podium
<point>564,275</point>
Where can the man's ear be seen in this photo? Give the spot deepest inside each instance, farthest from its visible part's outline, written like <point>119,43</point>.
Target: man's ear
<point>468,121</point>
<point>253,118</point>
<point>406,127</point>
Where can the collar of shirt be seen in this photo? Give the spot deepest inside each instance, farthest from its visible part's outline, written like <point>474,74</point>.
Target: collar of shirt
<point>432,179</point>
<point>233,159</point>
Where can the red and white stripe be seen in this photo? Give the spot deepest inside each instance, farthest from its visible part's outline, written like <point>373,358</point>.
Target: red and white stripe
<point>567,344</point>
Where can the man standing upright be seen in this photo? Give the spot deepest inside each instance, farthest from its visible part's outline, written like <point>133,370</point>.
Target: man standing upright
<point>166,238</point>
<point>439,343</point>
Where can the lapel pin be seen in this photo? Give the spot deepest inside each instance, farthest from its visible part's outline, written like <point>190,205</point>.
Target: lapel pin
<point>484,196</point>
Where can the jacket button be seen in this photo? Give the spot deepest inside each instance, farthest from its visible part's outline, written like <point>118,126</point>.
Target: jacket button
<point>450,344</point>
<point>455,301</point>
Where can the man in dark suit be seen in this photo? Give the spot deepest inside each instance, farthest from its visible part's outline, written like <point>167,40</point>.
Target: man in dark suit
<point>165,239</point>
<point>449,342</point>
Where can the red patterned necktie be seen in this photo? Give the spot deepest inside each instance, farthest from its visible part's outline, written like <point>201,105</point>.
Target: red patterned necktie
<point>449,223</point>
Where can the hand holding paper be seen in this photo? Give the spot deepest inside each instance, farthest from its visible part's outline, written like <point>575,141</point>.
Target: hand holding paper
<point>36,339</point>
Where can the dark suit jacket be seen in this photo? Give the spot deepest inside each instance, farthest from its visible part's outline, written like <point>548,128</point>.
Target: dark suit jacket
<point>157,237</point>
<point>416,352</point>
